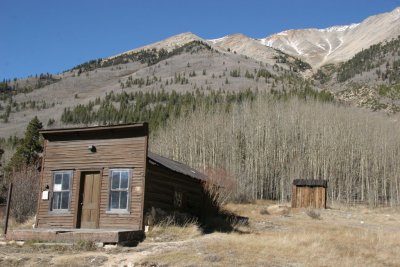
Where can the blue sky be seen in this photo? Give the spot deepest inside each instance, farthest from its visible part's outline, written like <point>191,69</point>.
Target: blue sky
<point>39,36</point>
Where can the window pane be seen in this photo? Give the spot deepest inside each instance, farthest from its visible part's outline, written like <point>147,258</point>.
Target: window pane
<point>57,178</point>
<point>65,182</point>
<point>114,200</point>
<point>56,200</point>
<point>124,200</point>
<point>115,180</point>
<point>124,180</point>
<point>64,200</point>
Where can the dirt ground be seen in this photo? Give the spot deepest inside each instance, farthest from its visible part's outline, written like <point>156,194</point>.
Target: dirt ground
<point>275,236</point>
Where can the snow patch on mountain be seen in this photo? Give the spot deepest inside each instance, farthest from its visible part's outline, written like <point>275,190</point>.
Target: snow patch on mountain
<point>340,28</point>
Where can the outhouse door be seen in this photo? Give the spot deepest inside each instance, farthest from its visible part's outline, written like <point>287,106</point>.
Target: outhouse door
<point>89,200</point>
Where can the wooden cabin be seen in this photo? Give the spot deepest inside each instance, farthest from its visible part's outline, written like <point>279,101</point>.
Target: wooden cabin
<point>105,178</point>
<point>309,193</point>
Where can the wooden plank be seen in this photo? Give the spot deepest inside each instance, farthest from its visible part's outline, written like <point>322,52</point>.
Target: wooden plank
<point>114,150</point>
<point>76,189</point>
<point>294,196</point>
<point>308,197</point>
<point>161,184</point>
<point>41,181</point>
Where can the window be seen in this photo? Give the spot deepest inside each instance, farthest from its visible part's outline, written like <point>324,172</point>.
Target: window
<point>61,190</point>
<point>119,190</point>
<point>178,199</point>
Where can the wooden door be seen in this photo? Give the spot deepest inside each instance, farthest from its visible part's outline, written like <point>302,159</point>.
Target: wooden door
<point>90,200</point>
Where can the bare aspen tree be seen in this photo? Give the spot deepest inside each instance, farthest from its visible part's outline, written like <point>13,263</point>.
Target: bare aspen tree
<point>267,143</point>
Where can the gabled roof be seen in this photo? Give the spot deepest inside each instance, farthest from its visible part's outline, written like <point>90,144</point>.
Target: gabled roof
<point>176,166</point>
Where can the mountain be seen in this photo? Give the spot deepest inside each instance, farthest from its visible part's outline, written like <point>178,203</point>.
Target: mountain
<point>358,64</point>
<point>336,44</point>
<point>243,45</point>
<point>178,65</point>
<point>168,44</point>
<point>236,44</point>
<point>369,79</point>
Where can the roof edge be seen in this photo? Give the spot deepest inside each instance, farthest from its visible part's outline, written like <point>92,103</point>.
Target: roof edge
<point>176,166</point>
<point>311,182</point>
<point>92,128</point>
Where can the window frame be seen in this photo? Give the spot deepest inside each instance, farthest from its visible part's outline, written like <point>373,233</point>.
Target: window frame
<point>128,190</point>
<point>71,175</point>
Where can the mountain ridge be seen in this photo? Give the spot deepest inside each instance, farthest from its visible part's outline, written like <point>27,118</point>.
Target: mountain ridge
<point>315,46</point>
<point>336,43</point>
<point>188,63</point>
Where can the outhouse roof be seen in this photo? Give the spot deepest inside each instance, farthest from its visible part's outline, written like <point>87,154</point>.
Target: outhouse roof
<point>310,182</point>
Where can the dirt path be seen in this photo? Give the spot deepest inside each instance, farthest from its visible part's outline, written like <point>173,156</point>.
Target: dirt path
<point>346,237</point>
<point>119,256</point>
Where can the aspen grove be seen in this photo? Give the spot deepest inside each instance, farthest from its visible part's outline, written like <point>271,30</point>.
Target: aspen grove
<point>267,142</point>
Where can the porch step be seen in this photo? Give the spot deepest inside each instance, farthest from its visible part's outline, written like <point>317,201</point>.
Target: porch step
<point>74,235</point>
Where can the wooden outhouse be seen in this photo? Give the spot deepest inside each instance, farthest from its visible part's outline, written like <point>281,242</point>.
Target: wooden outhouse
<point>105,178</point>
<point>309,193</point>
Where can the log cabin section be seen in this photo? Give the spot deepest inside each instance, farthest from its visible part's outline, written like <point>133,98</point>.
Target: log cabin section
<point>105,178</point>
<point>173,186</point>
<point>93,177</point>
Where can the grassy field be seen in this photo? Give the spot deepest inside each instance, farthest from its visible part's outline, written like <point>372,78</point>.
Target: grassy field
<point>275,236</point>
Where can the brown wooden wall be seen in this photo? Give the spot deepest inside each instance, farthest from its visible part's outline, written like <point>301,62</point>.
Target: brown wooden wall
<point>308,197</point>
<point>161,183</point>
<point>113,150</point>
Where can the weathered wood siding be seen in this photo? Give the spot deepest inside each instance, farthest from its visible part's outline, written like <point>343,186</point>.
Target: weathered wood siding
<point>161,184</point>
<point>308,197</point>
<point>119,149</point>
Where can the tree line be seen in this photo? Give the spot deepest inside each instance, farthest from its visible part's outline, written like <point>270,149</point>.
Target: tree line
<point>157,107</point>
<point>153,107</point>
<point>266,143</point>
<point>374,57</point>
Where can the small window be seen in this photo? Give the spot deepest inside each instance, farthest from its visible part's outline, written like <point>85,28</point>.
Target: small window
<point>178,199</point>
<point>61,190</point>
<point>119,190</point>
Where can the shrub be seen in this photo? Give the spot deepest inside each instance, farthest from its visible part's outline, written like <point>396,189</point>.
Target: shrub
<point>25,192</point>
<point>220,185</point>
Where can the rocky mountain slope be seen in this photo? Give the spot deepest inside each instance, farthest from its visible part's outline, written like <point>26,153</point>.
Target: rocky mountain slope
<point>187,63</point>
<point>369,79</point>
<point>338,43</point>
<point>191,65</point>
<point>243,45</point>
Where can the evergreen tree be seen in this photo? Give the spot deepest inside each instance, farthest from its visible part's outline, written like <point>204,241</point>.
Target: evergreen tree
<point>27,151</point>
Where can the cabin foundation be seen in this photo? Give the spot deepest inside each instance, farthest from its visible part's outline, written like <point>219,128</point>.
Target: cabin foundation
<point>105,236</point>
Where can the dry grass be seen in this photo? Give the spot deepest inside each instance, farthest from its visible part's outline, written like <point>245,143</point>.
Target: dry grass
<point>13,224</point>
<point>275,236</point>
<point>278,236</point>
<point>313,214</point>
<point>169,230</point>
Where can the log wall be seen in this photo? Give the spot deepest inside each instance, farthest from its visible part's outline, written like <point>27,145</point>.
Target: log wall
<point>161,185</point>
<point>308,197</point>
<point>125,148</point>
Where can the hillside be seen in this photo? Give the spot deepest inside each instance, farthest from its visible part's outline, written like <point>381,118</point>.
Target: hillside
<point>338,43</point>
<point>243,45</point>
<point>369,79</point>
<point>128,86</point>
<point>188,63</point>
<point>193,66</point>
